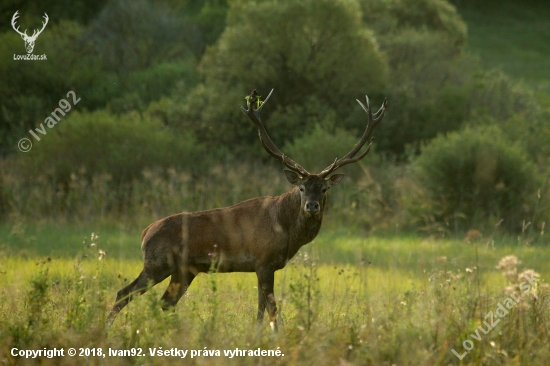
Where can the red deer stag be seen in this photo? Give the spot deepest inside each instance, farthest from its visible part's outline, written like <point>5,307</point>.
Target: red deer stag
<point>258,235</point>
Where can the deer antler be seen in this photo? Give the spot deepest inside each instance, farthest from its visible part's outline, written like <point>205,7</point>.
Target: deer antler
<point>269,146</point>
<point>13,20</point>
<point>350,157</point>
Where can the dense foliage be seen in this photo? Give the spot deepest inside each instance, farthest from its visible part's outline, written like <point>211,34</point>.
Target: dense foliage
<point>152,74</point>
<point>476,174</point>
<point>99,143</point>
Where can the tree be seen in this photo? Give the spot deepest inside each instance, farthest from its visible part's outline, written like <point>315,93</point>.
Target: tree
<point>388,17</point>
<point>137,34</point>
<point>429,71</point>
<point>307,50</point>
<point>29,90</point>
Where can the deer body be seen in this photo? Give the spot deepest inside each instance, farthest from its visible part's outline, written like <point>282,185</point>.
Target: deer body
<point>258,235</point>
<point>241,238</point>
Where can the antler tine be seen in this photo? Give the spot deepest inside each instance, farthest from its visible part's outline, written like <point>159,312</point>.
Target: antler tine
<point>373,120</point>
<point>329,169</point>
<point>380,113</point>
<point>265,100</point>
<point>267,143</point>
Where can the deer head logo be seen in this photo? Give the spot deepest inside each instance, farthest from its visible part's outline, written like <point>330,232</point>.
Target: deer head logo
<point>29,40</point>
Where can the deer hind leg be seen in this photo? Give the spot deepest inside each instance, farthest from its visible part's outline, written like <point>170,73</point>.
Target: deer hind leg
<point>138,286</point>
<point>266,281</point>
<point>179,283</point>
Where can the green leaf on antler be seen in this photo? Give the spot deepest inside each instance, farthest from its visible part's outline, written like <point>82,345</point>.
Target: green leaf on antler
<point>255,98</point>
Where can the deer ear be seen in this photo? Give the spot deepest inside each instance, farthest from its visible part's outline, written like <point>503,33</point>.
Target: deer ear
<point>335,179</point>
<point>292,177</point>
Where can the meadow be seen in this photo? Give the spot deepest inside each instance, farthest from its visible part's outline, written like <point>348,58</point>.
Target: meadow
<point>345,299</point>
<point>400,273</point>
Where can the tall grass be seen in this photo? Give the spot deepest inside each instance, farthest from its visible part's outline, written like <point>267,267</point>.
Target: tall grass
<point>356,314</point>
<point>358,200</point>
<point>381,197</point>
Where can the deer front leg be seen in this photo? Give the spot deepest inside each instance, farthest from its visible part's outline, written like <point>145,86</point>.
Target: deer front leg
<point>266,298</point>
<point>261,302</point>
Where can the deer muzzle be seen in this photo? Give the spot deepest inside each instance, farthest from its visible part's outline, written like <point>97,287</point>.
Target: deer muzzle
<point>312,207</point>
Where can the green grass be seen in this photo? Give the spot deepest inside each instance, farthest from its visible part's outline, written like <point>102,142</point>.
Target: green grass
<point>511,35</point>
<point>334,245</point>
<point>356,315</point>
<point>345,299</point>
<point>67,240</point>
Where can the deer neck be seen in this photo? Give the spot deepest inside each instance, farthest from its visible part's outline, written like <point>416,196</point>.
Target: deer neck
<point>301,228</point>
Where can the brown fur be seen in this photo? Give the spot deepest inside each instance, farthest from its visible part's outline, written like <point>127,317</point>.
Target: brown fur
<point>258,235</point>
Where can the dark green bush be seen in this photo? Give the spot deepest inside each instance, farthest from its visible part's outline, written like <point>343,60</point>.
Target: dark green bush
<point>132,35</point>
<point>392,16</point>
<point>428,70</point>
<point>317,149</point>
<point>326,53</point>
<point>29,89</point>
<point>474,175</point>
<point>90,144</point>
<point>139,88</point>
<point>496,94</point>
<point>210,19</point>
<point>428,90</point>
<point>32,11</point>
<point>287,124</point>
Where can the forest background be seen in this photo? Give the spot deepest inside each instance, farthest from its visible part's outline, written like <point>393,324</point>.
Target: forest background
<point>407,266</point>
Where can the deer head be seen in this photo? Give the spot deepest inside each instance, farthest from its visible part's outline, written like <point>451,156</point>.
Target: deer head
<point>312,187</point>
<point>29,40</point>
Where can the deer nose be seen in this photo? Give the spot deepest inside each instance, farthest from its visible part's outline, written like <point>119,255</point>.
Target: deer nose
<point>312,206</point>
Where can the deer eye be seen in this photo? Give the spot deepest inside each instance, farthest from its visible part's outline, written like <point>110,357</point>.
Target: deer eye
<point>324,190</point>
<point>301,189</point>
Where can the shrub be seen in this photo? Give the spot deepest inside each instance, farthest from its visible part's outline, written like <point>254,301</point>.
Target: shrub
<point>476,174</point>
<point>325,53</point>
<point>287,124</point>
<point>317,150</point>
<point>428,70</point>
<point>30,89</point>
<point>497,95</point>
<point>429,87</point>
<point>134,35</point>
<point>392,16</point>
<point>100,143</point>
<point>139,88</point>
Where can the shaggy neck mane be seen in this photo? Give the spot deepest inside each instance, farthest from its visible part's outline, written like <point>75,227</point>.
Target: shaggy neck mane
<point>301,227</point>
